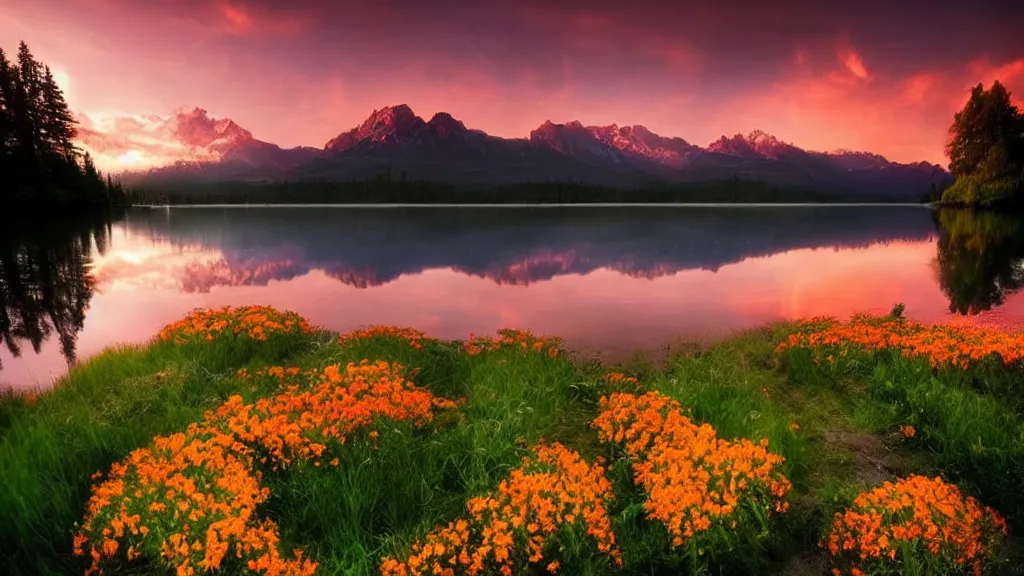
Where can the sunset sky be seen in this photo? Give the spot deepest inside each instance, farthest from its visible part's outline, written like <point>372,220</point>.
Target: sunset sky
<point>883,76</point>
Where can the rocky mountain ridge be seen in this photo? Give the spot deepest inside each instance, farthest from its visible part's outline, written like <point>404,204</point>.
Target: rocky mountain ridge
<point>444,149</point>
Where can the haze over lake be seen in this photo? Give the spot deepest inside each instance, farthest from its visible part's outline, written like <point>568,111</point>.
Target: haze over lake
<point>608,280</point>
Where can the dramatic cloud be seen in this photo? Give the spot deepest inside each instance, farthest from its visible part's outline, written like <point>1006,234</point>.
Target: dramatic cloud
<point>906,118</point>
<point>138,142</point>
<point>873,75</point>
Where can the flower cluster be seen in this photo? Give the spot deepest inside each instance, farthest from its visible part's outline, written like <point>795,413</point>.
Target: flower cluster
<point>192,497</point>
<point>508,338</point>
<point>694,480</point>
<point>256,322</point>
<point>619,380</point>
<point>187,499</point>
<point>299,422</point>
<point>413,336</point>
<point>916,520</point>
<point>279,372</point>
<point>942,345</point>
<point>520,524</point>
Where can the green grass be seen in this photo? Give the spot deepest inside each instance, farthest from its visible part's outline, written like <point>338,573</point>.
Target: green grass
<point>97,414</point>
<point>837,431</point>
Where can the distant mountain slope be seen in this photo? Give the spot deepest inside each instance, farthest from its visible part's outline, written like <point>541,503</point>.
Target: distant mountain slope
<point>443,149</point>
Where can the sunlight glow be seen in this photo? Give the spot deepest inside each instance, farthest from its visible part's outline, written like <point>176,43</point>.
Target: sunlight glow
<point>130,158</point>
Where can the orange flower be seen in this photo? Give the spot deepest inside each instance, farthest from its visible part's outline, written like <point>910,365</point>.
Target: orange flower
<point>925,518</point>
<point>907,431</point>
<point>958,346</point>
<point>255,322</point>
<point>202,487</point>
<point>523,518</point>
<point>620,379</point>
<point>511,339</point>
<point>412,336</point>
<point>693,479</point>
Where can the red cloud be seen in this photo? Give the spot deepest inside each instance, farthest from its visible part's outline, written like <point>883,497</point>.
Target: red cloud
<point>236,18</point>
<point>839,103</point>
<point>854,64</point>
<point>243,19</point>
<point>607,35</point>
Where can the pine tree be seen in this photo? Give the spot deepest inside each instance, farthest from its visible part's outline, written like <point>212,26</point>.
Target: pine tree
<point>28,103</point>
<point>6,128</point>
<point>57,122</point>
<point>89,169</point>
<point>39,164</point>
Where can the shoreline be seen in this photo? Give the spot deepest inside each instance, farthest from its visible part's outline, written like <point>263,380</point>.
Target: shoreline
<point>559,205</point>
<point>500,401</point>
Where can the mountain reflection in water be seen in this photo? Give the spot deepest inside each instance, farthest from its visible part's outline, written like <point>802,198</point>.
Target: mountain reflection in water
<point>611,279</point>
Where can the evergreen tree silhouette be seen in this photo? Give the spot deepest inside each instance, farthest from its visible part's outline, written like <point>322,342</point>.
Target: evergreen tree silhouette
<point>7,141</point>
<point>40,167</point>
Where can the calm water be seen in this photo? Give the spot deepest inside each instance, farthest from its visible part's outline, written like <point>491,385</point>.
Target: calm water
<point>609,280</point>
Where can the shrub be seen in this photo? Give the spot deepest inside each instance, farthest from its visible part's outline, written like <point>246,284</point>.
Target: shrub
<point>228,337</point>
<point>211,325</point>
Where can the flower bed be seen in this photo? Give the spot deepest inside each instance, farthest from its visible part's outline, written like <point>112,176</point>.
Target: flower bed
<point>254,322</point>
<point>552,498</point>
<point>509,339</point>
<point>916,522</point>
<point>694,480</point>
<point>190,500</point>
<point>941,345</point>
<point>414,337</point>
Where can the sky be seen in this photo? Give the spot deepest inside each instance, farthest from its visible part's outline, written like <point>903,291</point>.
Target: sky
<point>881,76</point>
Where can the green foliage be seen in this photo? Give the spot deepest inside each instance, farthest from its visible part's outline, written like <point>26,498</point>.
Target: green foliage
<point>389,490</point>
<point>40,165</point>
<point>970,422</point>
<point>986,150</point>
<point>95,416</point>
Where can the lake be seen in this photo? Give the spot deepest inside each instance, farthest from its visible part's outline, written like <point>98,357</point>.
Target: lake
<point>609,280</point>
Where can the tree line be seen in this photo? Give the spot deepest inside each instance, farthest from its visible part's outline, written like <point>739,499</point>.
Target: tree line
<point>986,150</point>
<point>40,167</point>
<point>385,190</point>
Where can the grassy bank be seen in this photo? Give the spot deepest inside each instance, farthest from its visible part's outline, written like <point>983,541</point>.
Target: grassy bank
<point>244,441</point>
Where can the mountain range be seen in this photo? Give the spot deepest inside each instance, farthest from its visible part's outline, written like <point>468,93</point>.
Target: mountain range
<point>444,149</point>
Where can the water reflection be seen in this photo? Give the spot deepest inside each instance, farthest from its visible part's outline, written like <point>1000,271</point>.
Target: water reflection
<point>45,286</point>
<point>979,259</point>
<point>367,248</point>
<point>607,279</point>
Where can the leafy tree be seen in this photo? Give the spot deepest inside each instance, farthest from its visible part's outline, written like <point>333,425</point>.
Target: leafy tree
<point>986,149</point>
